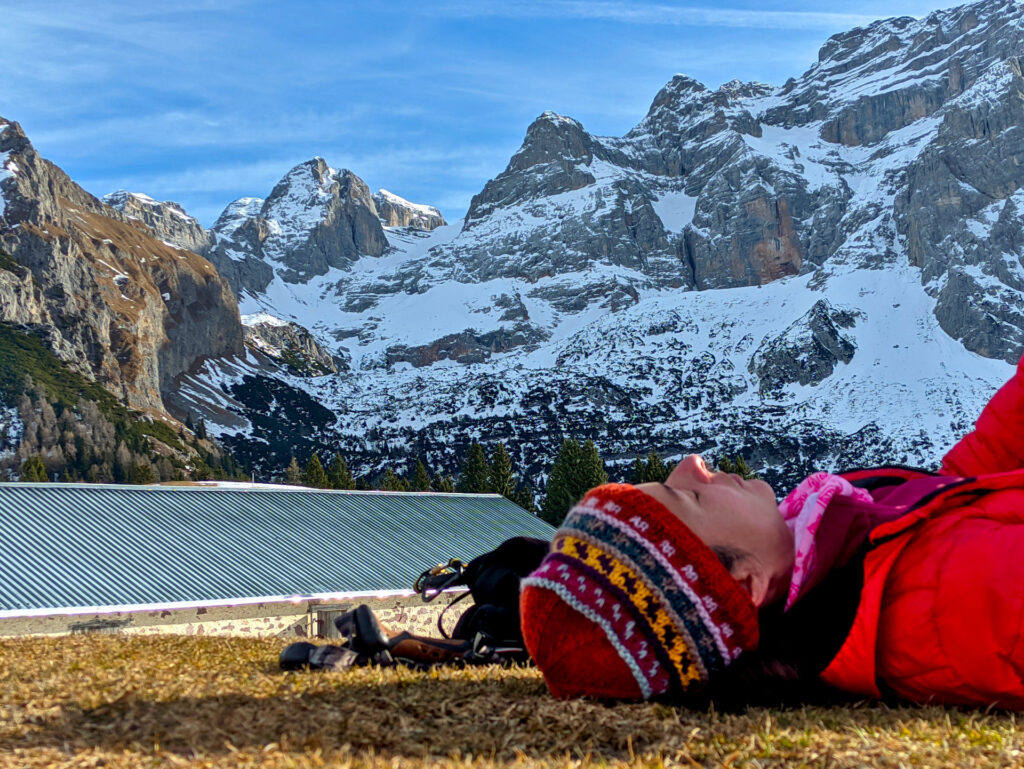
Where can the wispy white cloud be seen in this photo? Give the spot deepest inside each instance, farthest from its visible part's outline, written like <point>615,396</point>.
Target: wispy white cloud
<point>180,128</point>
<point>258,177</point>
<point>651,13</point>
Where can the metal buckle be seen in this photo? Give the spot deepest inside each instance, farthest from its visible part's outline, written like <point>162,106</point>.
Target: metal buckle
<point>431,583</point>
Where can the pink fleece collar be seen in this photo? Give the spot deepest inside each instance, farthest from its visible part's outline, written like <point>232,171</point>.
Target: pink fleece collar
<point>803,509</point>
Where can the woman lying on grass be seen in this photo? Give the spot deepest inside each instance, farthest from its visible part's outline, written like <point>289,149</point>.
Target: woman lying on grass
<point>886,582</point>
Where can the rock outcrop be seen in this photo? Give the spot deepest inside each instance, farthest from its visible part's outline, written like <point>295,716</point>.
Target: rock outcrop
<point>167,219</point>
<point>290,345</point>
<point>807,352</point>
<point>399,212</point>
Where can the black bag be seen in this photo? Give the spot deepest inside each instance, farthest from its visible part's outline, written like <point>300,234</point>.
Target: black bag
<point>493,582</point>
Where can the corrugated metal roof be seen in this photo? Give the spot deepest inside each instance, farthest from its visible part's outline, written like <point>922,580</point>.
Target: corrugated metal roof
<point>81,545</point>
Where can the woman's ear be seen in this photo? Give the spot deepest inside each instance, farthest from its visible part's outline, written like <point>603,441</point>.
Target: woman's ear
<point>753,578</point>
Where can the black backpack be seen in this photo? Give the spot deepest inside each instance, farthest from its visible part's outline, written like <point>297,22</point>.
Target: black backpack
<point>493,582</point>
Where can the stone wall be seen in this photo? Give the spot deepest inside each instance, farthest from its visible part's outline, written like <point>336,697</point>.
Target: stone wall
<point>280,619</point>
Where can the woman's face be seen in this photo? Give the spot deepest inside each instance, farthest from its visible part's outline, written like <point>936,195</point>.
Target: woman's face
<point>727,511</point>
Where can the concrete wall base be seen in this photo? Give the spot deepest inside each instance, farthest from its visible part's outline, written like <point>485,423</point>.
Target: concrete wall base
<point>280,619</point>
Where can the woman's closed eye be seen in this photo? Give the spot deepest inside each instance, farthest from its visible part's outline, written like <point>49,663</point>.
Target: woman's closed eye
<point>673,490</point>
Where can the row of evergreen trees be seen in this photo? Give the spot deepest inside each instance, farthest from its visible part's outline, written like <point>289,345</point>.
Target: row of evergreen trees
<point>576,469</point>
<point>478,476</point>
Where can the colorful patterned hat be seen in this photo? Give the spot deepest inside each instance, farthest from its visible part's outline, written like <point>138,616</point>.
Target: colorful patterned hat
<point>631,604</point>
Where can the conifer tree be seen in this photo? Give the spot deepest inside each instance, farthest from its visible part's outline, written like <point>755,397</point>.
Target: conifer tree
<point>593,472</point>
<point>34,469</point>
<point>293,473</point>
<point>523,497</point>
<point>421,479</point>
<point>473,479</point>
<point>736,465</point>
<point>500,477</point>
<point>576,470</point>
<point>202,471</point>
<point>657,470</point>
<point>338,474</point>
<point>651,470</point>
<point>443,484</point>
<point>392,481</point>
<point>314,474</point>
<point>201,429</point>
<point>561,484</point>
<point>142,472</point>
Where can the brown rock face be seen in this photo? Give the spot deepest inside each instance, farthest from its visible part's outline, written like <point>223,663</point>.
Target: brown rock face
<point>763,245</point>
<point>778,253</point>
<point>122,307</point>
<point>869,119</point>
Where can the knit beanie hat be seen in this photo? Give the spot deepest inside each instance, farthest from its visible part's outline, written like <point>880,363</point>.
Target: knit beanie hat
<point>630,604</point>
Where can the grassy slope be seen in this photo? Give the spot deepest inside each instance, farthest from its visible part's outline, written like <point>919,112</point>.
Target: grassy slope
<point>165,700</point>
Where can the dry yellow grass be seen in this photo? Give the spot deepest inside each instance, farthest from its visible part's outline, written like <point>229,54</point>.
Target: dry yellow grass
<point>176,701</point>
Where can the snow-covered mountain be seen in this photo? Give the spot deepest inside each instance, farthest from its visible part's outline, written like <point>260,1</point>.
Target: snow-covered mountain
<point>828,272</point>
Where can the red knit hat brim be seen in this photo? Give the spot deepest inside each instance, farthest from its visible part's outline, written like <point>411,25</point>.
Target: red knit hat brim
<point>578,660</point>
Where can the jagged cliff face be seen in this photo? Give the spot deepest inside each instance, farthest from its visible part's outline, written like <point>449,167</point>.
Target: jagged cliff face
<point>113,301</point>
<point>289,345</point>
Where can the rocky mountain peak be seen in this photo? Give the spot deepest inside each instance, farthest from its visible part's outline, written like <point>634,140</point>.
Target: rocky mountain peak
<point>679,89</point>
<point>395,211</point>
<point>236,214</point>
<point>314,219</point>
<point>736,90</point>
<point>686,112</point>
<point>124,200</point>
<point>876,79</point>
<point>555,157</point>
<point>12,138</point>
<point>308,185</point>
<point>552,138</point>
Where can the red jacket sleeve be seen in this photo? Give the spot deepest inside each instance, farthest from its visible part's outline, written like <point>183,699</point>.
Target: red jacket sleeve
<point>997,442</point>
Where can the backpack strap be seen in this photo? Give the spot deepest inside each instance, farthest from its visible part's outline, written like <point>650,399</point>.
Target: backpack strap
<point>493,581</point>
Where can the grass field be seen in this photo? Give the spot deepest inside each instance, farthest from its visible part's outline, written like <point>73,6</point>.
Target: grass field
<point>192,701</point>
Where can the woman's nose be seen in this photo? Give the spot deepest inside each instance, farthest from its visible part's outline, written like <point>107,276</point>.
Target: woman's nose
<point>690,468</point>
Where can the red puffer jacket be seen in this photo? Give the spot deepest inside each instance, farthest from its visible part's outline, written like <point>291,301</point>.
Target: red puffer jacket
<point>941,614</point>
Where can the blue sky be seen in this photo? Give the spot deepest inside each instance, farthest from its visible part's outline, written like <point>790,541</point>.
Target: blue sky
<point>204,101</point>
